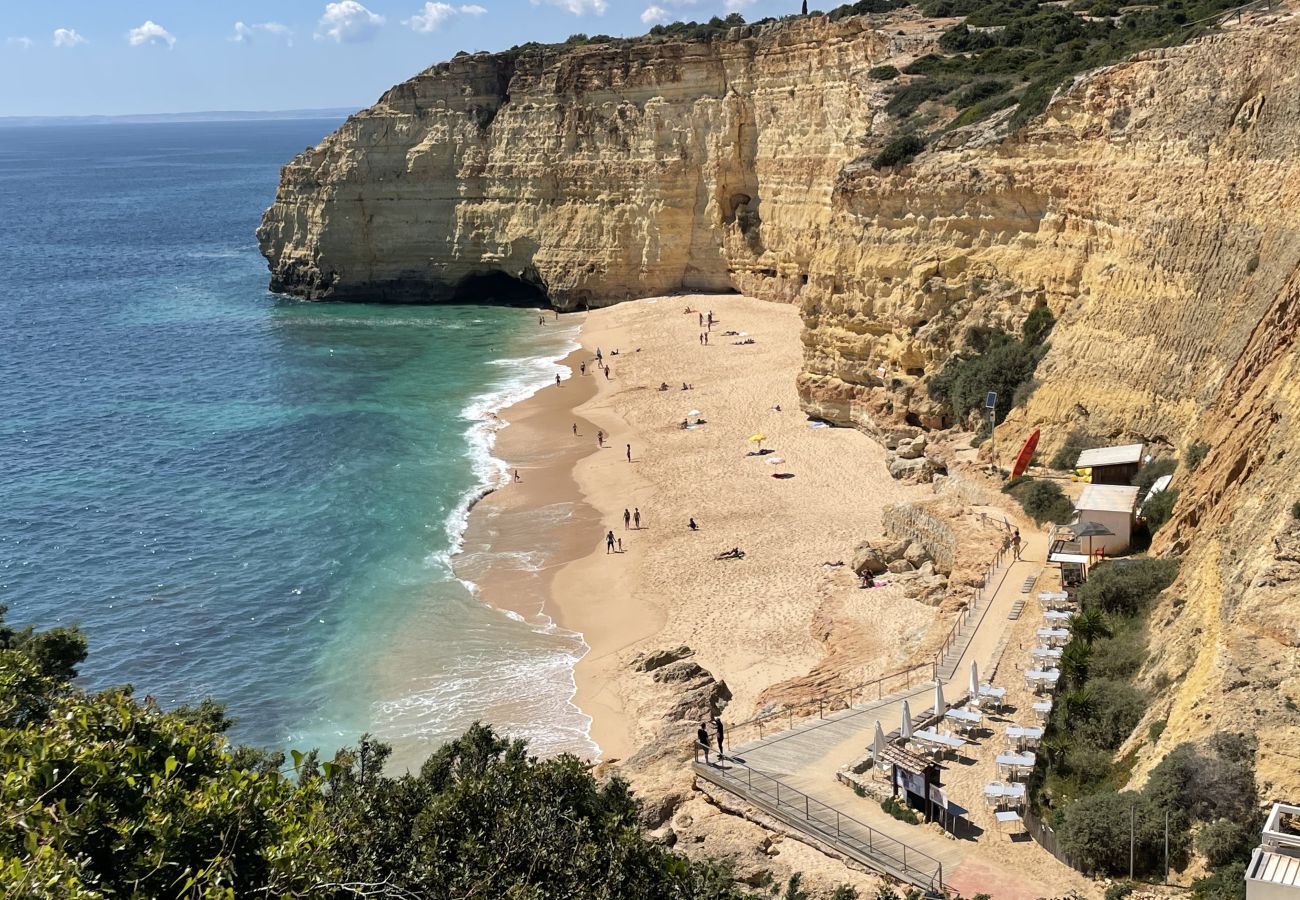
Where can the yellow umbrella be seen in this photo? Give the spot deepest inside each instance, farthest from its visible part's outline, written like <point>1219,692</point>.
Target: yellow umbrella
<point>758,438</point>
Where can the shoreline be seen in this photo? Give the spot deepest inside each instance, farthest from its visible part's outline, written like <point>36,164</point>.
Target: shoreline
<point>778,615</point>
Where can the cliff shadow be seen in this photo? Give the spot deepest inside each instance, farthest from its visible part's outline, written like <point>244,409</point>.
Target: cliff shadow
<point>500,289</point>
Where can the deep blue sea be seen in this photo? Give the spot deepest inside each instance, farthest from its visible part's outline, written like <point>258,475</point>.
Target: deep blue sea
<point>240,495</point>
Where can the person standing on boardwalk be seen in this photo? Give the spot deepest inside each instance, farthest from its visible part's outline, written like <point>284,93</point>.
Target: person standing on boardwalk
<point>636,518</point>
<point>1015,543</point>
<point>627,520</point>
<point>629,452</point>
<point>609,543</point>
<point>719,732</point>
<point>702,742</point>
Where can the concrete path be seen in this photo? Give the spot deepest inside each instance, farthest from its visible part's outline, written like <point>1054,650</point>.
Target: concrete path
<point>807,756</point>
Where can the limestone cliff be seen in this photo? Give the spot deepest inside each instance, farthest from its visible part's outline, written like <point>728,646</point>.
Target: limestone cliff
<point>595,174</point>
<point>1155,208</point>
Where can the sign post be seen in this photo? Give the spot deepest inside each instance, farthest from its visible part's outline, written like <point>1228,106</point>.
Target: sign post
<point>991,404</point>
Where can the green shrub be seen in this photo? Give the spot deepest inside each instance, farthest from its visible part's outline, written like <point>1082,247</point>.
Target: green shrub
<point>1295,510</point>
<point>844,892</point>
<point>993,361</point>
<point>1014,483</point>
<point>1157,510</point>
<point>1228,883</point>
<point>1157,729</point>
<point>899,152</point>
<point>882,73</point>
<point>980,90</point>
<point>1223,841</point>
<point>1152,472</point>
<point>1038,325</point>
<point>1195,454</point>
<point>1044,501</point>
<point>1119,890</point>
<point>1126,587</point>
<point>899,811</point>
<point>1076,442</point>
<point>1094,832</point>
<point>1119,706</point>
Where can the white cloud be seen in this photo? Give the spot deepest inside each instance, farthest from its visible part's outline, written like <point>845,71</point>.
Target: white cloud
<point>579,7</point>
<point>244,34</point>
<point>653,14</point>
<point>433,15</point>
<point>347,21</point>
<point>737,5</point>
<point>150,33</point>
<point>23,43</point>
<point>68,37</point>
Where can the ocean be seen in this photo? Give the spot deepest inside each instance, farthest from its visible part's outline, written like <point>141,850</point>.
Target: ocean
<point>245,496</point>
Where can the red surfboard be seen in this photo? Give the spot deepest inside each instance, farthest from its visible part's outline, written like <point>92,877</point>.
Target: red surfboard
<point>1026,454</point>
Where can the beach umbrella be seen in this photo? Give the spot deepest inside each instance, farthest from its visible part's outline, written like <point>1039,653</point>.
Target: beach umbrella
<point>974,679</point>
<point>939,706</point>
<point>758,439</point>
<point>1089,530</point>
<point>907,722</point>
<point>693,412</point>
<point>878,745</point>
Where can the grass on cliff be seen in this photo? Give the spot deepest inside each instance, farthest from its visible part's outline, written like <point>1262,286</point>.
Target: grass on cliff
<point>993,360</point>
<point>1018,52</point>
<point>1080,782</point>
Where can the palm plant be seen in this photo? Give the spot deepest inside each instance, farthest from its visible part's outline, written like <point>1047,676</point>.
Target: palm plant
<point>1074,663</point>
<point>1090,625</point>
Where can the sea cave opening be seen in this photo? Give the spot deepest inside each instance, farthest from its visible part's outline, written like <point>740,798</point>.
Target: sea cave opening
<point>499,289</point>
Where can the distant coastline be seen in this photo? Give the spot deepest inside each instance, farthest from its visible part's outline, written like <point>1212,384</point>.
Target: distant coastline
<point>163,118</point>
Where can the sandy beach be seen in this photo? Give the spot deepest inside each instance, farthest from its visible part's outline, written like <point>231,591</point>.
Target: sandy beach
<point>755,622</point>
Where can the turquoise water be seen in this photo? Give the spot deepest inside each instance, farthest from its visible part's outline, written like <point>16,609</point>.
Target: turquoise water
<point>245,496</point>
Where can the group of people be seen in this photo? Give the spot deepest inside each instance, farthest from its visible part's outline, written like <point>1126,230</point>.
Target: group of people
<point>703,739</point>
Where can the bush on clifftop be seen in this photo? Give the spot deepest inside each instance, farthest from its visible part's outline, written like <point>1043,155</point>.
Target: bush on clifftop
<point>105,796</point>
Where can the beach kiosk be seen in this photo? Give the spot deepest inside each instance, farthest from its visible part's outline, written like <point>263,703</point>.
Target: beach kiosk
<point>1112,465</point>
<point>1274,870</point>
<point>912,779</point>
<point>1112,506</point>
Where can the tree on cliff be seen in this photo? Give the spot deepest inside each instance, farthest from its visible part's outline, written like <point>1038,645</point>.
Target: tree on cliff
<point>104,795</point>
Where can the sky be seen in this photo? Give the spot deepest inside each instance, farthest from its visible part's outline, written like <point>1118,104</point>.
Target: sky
<point>115,57</point>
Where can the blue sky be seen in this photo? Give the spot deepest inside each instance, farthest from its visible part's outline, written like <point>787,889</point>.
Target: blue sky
<point>108,57</point>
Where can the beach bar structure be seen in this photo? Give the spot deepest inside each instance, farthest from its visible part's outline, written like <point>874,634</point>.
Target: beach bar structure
<point>1274,870</point>
<point>1113,506</point>
<point>1112,465</point>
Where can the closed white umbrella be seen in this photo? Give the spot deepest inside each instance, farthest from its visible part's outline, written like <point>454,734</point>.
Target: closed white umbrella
<point>878,745</point>
<point>974,679</point>
<point>907,721</point>
<point>939,706</point>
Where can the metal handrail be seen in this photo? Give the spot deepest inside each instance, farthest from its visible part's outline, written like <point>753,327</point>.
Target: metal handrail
<point>963,619</point>
<point>828,702</point>
<point>859,840</point>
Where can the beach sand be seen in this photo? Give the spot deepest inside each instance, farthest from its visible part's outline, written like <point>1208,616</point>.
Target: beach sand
<point>753,622</point>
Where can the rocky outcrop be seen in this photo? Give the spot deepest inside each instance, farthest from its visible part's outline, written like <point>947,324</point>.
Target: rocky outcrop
<point>589,174</point>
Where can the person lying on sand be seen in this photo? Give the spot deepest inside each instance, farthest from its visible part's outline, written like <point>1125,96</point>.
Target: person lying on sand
<point>742,343</point>
<point>733,553</point>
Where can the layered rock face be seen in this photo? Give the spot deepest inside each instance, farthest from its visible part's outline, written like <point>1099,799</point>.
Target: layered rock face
<point>594,175</point>
<point>1156,209</point>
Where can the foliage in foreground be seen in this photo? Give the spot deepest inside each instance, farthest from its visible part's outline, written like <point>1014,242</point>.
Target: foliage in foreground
<point>1043,501</point>
<point>104,796</point>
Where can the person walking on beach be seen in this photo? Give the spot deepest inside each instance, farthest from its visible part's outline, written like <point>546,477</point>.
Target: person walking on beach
<point>575,429</point>
<point>607,373</point>
<point>583,368</point>
<point>609,543</point>
<point>599,358</point>
<point>636,518</point>
<point>620,544</point>
<point>517,478</point>
<point>600,438</point>
<point>1015,543</point>
<point>702,742</point>
<point>627,520</point>
<point>557,379</point>
<point>629,452</point>
<point>719,732</point>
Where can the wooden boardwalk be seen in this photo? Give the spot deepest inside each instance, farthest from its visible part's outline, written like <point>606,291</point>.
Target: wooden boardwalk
<point>806,757</point>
